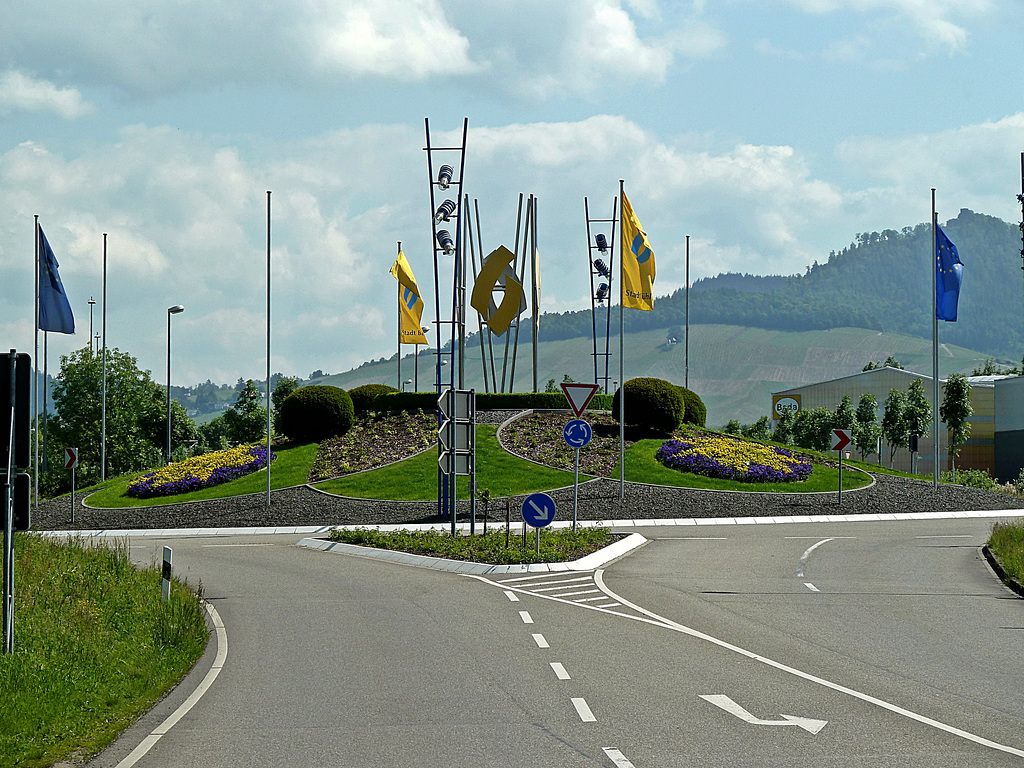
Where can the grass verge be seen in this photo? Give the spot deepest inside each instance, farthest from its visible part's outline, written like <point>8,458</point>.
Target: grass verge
<point>498,546</point>
<point>643,467</point>
<point>291,467</point>
<point>94,648</point>
<point>1007,544</point>
<point>415,478</point>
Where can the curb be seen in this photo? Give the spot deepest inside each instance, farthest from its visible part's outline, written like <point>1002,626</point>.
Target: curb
<point>1012,584</point>
<point>587,563</point>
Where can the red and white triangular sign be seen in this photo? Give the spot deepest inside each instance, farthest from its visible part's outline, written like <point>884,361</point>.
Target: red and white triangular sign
<point>579,396</point>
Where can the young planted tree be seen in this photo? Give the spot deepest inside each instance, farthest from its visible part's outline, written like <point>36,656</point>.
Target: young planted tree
<point>246,419</point>
<point>954,410</point>
<point>894,422</point>
<point>866,430</point>
<point>919,410</point>
<point>813,428</point>
<point>759,430</point>
<point>783,428</point>
<point>844,417</point>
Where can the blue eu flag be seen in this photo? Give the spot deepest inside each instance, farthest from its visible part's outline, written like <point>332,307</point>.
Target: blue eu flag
<point>54,309</point>
<point>948,274</point>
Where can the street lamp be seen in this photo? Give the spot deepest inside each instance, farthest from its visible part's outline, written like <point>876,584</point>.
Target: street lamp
<point>175,310</point>
<point>405,383</point>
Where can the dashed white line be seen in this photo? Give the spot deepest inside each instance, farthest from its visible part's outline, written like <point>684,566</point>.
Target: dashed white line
<point>950,536</point>
<point>583,710</point>
<point>526,617</point>
<point>540,641</point>
<point>617,757</point>
<point>559,671</point>
<point>512,596</point>
<point>811,587</point>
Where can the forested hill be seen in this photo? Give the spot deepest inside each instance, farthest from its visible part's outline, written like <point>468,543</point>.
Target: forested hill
<point>883,281</point>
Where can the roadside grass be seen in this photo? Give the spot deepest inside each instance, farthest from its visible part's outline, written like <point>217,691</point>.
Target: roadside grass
<point>498,546</point>
<point>1007,544</point>
<point>94,648</point>
<point>643,467</point>
<point>415,478</point>
<point>291,467</point>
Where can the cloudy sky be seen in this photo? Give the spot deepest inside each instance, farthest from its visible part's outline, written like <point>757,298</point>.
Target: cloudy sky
<point>771,131</point>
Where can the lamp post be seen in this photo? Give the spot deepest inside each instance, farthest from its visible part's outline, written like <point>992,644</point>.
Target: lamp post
<point>405,383</point>
<point>175,310</point>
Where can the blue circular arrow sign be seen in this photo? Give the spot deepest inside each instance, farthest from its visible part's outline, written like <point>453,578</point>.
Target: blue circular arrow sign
<point>577,433</point>
<point>538,510</point>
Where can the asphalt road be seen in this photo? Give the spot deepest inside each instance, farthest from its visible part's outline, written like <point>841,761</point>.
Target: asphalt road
<point>884,644</point>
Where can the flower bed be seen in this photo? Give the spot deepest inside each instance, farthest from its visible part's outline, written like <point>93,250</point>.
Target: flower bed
<point>731,459</point>
<point>200,472</point>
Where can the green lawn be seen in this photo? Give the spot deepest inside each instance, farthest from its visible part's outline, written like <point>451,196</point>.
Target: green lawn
<point>1007,544</point>
<point>291,467</point>
<point>415,478</point>
<point>94,648</point>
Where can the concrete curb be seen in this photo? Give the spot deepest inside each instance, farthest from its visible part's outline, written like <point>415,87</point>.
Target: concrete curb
<point>588,563</point>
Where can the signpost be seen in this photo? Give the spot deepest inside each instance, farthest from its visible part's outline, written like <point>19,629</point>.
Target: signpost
<point>457,436</point>
<point>840,439</point>
<point>15,372</point>
<point>538,511</point>
<point>71,462</point>
<point>577,433</point>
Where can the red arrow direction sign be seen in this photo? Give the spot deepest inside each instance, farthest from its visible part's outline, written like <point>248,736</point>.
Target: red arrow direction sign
<point>840,439</point>
<point>579,396</point>
<point>70,458</point>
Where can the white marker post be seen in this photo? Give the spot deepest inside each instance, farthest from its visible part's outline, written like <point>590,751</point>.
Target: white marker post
<point>166,590</point>
<point>71,462</point>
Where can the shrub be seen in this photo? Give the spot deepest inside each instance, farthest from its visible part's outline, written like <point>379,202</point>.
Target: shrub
<point>694,410</point>
<point>312,414</point>
<point>973,478</point>
<point>363,396</point>
<point>652,403</point>
<point>759,430</point>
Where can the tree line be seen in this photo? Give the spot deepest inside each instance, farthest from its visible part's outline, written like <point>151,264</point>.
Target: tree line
<point>906,417</point>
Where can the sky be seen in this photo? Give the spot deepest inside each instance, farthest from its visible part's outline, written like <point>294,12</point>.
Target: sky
<point>770,131</point>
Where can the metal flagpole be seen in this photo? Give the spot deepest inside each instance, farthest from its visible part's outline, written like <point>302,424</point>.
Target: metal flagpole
<point>35,380</point>
<point>935,354</point>
<point>268,350</point>
<point>103,421</point>
<point>534,282</point>
<point>398,306</point>
<point>686,352</point>
<point>622,380</point>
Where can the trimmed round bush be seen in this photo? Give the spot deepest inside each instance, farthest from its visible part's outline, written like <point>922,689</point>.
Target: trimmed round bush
<point>363,396</point>
<point>695,412</point>
<point>651,403</point>
<point>312,414</point>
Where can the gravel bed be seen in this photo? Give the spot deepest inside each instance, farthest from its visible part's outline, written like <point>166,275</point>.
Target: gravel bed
<point>599,500</point>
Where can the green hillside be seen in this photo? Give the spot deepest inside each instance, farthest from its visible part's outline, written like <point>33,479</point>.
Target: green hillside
<point>734,369</point>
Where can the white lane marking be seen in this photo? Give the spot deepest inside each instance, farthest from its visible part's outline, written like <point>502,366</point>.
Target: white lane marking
<point>807,554</point>
<point>950,536</point>
<point>260,544</point>
<point>218,663</point>
<point>591,599</point>
<point>812,538</point>
<point>559,671</point>
<point>555,589</point>
<point>579,592</point>
<point>607,605</point>
<point>618,758</point>
<point>512,596</point>
<point>540,641</point>
<point>675,626</point>
<point>811,587</point>
<point>724,702</point>
<point>526,617</point>
<point>583,710</point>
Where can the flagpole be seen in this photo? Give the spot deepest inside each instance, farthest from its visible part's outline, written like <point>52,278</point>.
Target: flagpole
<point>35,380</point>
<point>268,350</point>
<point>686,348</point>
<point>935,355</point>
<point>398,306</point>
<point>103,422</point>
<point>622,380</point>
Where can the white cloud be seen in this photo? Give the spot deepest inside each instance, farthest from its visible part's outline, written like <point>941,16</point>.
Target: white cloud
<point>932,18</point>
<point>21,93</point>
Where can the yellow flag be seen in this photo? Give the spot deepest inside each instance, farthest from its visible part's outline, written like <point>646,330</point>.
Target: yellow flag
<point>410,305</point>
<point>637,262</point>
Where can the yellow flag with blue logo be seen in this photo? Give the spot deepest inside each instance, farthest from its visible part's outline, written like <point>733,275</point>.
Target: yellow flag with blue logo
<point>637,262</point>
<point>410,304</point>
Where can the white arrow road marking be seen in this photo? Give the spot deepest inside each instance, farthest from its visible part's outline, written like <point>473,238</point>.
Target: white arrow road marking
<point>807,554</point>
<point>730,706</point>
